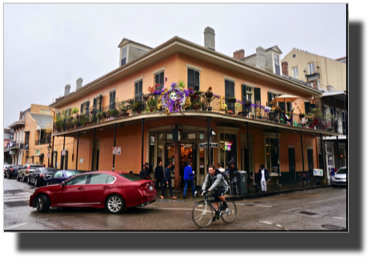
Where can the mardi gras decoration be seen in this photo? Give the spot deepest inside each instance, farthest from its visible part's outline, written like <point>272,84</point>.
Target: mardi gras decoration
<point>174,99</point>
<point>221,106</point>
<point>238,107</point>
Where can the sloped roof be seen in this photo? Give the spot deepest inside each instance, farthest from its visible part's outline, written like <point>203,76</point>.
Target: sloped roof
<point>43,121</point>
<point>125,40</point>
<point>274,47</point>
<point>296,80</point>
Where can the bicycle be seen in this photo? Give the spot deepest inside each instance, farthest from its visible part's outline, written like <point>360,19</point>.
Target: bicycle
<point>303,179</point>
<point>204,212</point>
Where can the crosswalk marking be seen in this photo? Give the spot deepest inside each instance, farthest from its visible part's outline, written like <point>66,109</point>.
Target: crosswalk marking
<point>23,196</point>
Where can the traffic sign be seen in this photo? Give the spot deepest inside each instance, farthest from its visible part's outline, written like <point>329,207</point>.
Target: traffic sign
<point>116,151</point>
<point>48,154</point>
<point>212,145</point>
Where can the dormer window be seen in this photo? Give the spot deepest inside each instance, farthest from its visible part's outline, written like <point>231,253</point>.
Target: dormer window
<point>277,64</point>
<point>123,56</point>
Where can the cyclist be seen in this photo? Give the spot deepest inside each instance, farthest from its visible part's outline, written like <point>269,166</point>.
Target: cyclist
<point>216,180</point>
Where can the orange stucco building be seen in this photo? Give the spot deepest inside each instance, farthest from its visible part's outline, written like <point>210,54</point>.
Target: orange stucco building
<point>199,67</point>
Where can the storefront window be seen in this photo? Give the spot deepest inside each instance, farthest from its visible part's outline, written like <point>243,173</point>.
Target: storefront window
<point>160,153</point>
<point>169,136</point>
<point>160,136</point>
<point>228,149</point>
<point>201,136</point>
<point>201,161</point>
<point>187,135</point>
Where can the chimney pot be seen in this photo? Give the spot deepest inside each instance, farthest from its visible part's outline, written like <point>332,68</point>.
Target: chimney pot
<point>79,83</point>
<point>330,88</point>
<point>67,89</point>
<point>209,38</point>
<point>239,54</point>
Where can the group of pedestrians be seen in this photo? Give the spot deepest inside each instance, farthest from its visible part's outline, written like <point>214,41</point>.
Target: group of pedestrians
<point>163,179</point>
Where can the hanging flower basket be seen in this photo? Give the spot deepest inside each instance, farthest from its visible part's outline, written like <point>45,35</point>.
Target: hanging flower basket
<point>301,115</point>
<point>232,100</point>
<point>146,96</point>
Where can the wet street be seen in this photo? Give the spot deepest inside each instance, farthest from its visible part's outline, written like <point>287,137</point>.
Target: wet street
<point>318,209</point>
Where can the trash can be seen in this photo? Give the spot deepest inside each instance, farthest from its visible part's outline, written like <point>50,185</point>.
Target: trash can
<point>242,179</point>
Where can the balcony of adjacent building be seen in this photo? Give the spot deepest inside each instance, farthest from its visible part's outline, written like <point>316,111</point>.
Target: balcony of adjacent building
<point>193,104</point>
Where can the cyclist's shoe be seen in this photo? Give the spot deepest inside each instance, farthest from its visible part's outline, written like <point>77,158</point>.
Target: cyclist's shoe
<point>223,206</point>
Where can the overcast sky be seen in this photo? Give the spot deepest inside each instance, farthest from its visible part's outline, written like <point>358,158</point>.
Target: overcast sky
<point>47,46</point>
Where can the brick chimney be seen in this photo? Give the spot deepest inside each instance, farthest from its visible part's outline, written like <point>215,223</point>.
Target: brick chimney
<point>285,68</point>
<point>330,88</point>
<point>239,54</point>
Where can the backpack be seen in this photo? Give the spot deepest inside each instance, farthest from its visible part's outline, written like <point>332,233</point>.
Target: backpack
<point>225,177</point>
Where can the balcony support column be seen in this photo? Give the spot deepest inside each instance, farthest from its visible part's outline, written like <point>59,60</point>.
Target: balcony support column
<point>52,153</point>
<point>247,125</point>
<point>142,141</point>
<point>76,164</point>
<point>64,140</point>
<point>337,148</point>
<point>278,155</point>
<point>323,156</point>
<point>93,151</point>
<point>208,142</point>
<point>114,145</point>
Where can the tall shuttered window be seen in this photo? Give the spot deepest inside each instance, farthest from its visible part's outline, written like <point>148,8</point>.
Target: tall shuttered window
<point>193,79</point>
<point>307,107</point>
<point>271,97</point>
<point>138,90</point>
<point>257,92</point>
<point>311,68</point>
<point>123,56</point>
<point>230,93</point>
<point>277,64</point>
<point>159,79</point>
<point>112,99</point>
<point>244,93</point>
<point>289,106</point>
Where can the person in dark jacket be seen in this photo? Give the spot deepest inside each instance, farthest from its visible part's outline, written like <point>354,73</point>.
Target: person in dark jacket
<point>159,175</point>
<point>233,169</point>
<point>167,181</point>
<point>264,176</point>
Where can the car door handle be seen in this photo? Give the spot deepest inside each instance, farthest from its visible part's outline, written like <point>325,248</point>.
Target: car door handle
<point>106,187</point>
<point>81,188</point>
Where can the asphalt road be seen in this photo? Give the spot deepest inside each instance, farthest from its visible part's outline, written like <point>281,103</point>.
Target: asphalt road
<point>301,210</point>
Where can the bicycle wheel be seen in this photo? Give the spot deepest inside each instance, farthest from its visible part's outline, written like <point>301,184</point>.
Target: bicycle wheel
<point>229,215</point>
<point>202,214</point>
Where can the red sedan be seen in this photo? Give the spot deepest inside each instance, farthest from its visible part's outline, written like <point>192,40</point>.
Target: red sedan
<point>114,191</point>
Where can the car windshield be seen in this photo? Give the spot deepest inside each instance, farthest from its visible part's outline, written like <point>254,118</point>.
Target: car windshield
<point>130,177</point>
<point>72,172</point>
<point>48,170</point>
<point>342,171</point>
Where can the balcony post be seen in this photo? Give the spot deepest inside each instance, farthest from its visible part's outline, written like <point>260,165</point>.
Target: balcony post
<point>142,140</point>
<point>303,162</point>
<point>114,145</point>
<point>93,151</point>
<point>64,140</point>
<point>208,142</point>
<point>278,155</point>
<point>76,164</point>
<point>247,124</point>
<point>337,147</point>
<point>52,152</point>
<point>323,155</point>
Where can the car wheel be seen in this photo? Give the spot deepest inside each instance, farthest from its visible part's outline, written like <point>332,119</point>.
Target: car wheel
<point>115,204</point>
<point>43,203</point>
<point>23,178</point>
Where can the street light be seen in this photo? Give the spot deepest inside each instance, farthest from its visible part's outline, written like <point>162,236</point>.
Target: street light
<point>212,135</point>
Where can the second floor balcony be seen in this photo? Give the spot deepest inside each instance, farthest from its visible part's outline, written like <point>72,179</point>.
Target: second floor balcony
<point>167,102</point>
<point>43,141</point>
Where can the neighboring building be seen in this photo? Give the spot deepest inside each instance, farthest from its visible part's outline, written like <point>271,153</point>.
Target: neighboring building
<point>32,135</point>
<point>334,104</point>
<point>343,59</point>
<point>322,72</point>
<point>200,67</point>
<point>268,59</point>
<point>8,139</point>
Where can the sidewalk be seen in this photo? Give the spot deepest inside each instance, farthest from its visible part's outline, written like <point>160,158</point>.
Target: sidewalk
<point>273,190</point>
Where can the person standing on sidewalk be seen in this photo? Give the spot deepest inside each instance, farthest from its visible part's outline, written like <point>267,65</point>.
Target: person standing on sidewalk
<point>167,182</point>
<point>264,178</point>
<point>159,175</point>
<point>188,177</point>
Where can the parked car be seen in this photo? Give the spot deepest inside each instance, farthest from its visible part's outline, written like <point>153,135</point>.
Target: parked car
<point>25,171</point>
<point>114,191</point>
<point>12,171</point>
<point>5,169</point>
<point>62,175</point>
<point>340,177</point>
<point>41,175</point>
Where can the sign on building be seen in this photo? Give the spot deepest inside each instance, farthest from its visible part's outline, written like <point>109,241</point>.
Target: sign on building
<point>212,145</point>
<point>37,152</point>
<point>63,153</point>
<point>318,172</point>
<point>116,151</point>
<point>48,154</point>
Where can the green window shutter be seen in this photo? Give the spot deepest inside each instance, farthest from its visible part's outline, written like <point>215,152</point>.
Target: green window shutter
<point>244,92</point>
<point>270,98</point>
<point>100,102</point>
<point>257,92</point>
